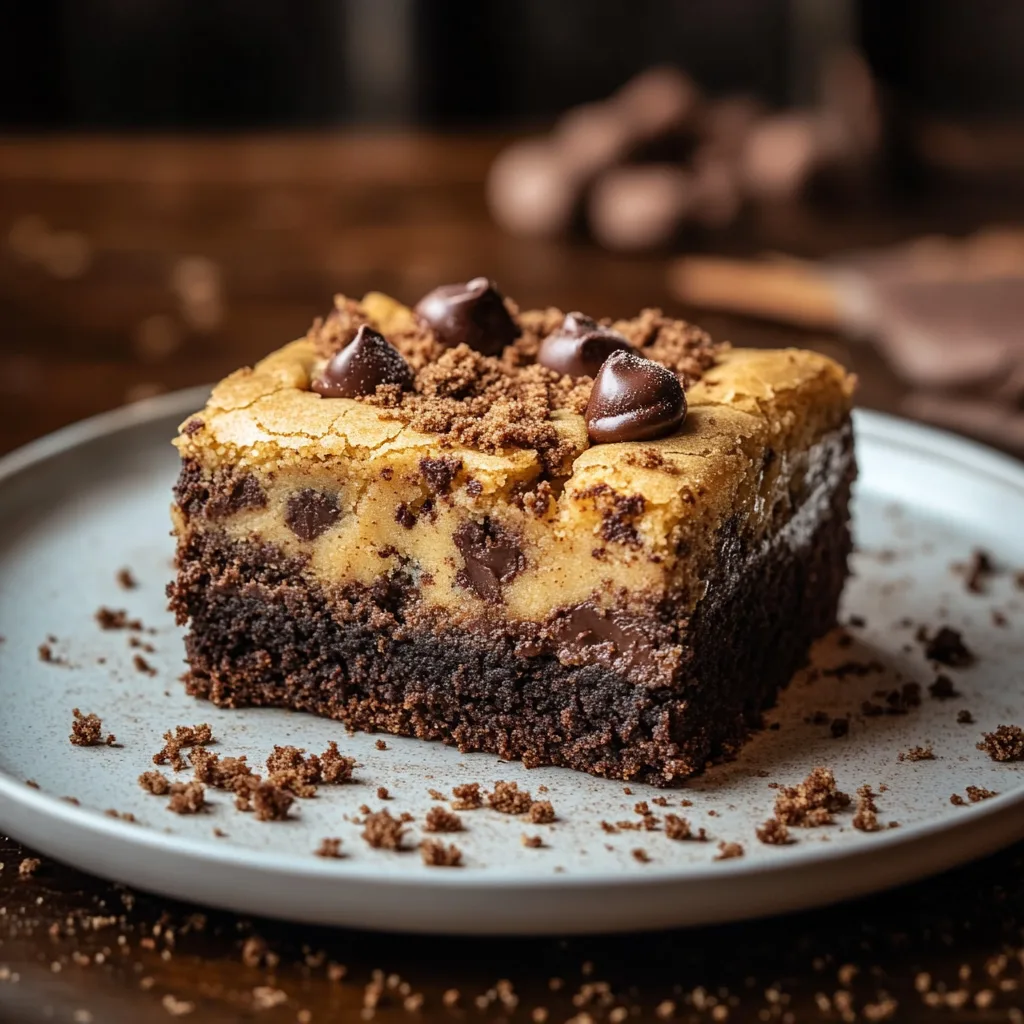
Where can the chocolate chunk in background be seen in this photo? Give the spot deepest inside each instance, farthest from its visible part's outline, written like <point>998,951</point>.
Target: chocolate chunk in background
<point>634,399</point>
<point>580,346</point>
<point>368,360</point>
<point>310,513</point>
<point>472,314</point>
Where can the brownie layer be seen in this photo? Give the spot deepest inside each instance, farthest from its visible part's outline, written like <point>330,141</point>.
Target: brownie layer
<point>263,633</point>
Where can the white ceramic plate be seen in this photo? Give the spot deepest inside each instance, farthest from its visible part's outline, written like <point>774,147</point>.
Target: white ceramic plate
<point>77,506</point>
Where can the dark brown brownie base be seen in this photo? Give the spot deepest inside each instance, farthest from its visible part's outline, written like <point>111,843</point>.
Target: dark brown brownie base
<point>261,634</point>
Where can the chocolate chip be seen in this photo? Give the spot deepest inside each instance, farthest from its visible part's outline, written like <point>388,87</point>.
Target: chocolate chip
<point>311,513</point>
<point>439,473</point>
<point>580,346</point>
<point>634,399</point>
<point>233,495</point>
<point>472,314</point>
<point>492,558</point>
<point>366,361</point>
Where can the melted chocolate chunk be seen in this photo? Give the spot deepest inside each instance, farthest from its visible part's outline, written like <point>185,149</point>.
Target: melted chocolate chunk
<point>440,473</point>
<point>472,314</point>
<point>580,346</point>
<point>634,399</point>
<point>232,496</point>
<point>492,558</point>
<point>369,359</point>
<point>311,513</point>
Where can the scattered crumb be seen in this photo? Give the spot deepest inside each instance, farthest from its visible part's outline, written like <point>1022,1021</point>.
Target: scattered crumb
<point>330,847</point>
<point>182,737</point>
<point>381,745</point>
<point>31,783</point>
<point>865,818</point>
<point>335,767</point>
<point>382,793</point>
<point>508,798</point>
<point>47,655</point>
<point>126,579</point>
<point>87,731</point>
<point>947,647</point>
<point>155,782</point>
<point>727,851</point>
<point>532,842</point>
<point>659,801</point>
<point>957,800</point>
<point>976,571</point>
<point>978,793</point>
<point>964,717</point>
<point>839,728</point>
<point>294,780</point>
<point>28,867</point>
<point>440,819</point>
<point>917,754</point>
<point>436,854</point>
<point>382,831</point>
<point>467,797</point>
<point>943,688</point>
<point>270,802</point>
<point>1005,744</point>
<point>677,827</point>
<point>187,797</point>
<point>142,666</point>
<point>120,815</point>
<point>116,618</point>
<point>542,812</point>
<point>641,855</point>
<point>812,802</point>
<point>773,833</point>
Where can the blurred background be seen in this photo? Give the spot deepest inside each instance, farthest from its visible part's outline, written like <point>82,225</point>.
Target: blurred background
<point>184,185</point>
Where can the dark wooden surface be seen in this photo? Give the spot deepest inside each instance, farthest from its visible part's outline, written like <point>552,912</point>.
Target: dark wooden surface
<point>121,308</point>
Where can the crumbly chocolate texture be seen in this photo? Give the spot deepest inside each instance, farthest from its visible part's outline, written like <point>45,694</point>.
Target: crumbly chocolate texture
<point>865,817</point>
<point>773,833</point>
<point>440,819</point>
<point>155,782</point>
<point>87,731</point>
<point>382,831</point>
<point>812,802</point>
<point>1005,744</point>
<point>329,847</point>
<point>679,828</point>
<point>182,737</point>
<point>436,854</point>
<point>187,797</point>
<point>508,798</point>
<point>270,802</point>
<point>506,401</point>
<point>467,797</point>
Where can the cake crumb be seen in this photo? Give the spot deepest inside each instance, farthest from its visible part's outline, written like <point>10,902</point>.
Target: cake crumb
<point>329,847</point>
<point>467,797</point>
<point>531,842</point>
<point>270,802</point>
<point>182,737</point>
<point>126,579</point>
<point>812,802</point>
<point>28,867</point>
<point>508,798</point>
<point>679,828</point>
<point>919,753</point>
<point>727,851</point>
<point>977,571</point>
<point>773,833</point>
<point>382,793</point>
<point>436,854</point>
<point>542,812</point>
<point>1005,744</point>
<point>294,781</point>
<point>978,793</point>
<point>335,767</point>
<point>381,745</point>
<point>435,794</point>
<point>142,666</point>
<point>155,782</point>
<point>957,800</point>
<point>440,819</point>
<point>641,855</point>
<point>942,688</point>
<point>865,817</point>
<point>947,647</point>
<point>964,717</point>
<point>382,831</point>
<point>187,797</point>
<point>116,618</point>
<point>87,731</point>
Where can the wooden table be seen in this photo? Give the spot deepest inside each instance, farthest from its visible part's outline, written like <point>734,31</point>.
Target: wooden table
<point>132,267</point>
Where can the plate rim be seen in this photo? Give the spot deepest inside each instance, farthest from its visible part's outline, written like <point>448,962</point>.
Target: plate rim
<point>970,456</point>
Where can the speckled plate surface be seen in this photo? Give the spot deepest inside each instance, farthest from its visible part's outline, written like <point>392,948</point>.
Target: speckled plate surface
<point>79,505</point>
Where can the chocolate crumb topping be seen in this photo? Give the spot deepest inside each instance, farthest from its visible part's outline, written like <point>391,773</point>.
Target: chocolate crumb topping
<point>311,513</point>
